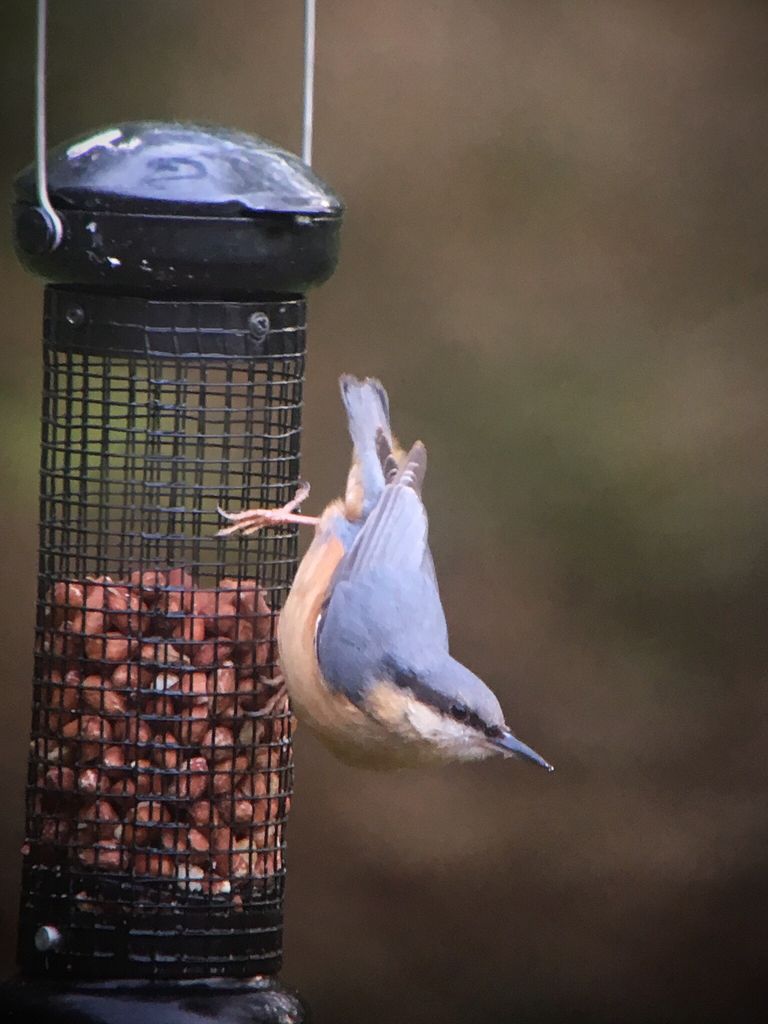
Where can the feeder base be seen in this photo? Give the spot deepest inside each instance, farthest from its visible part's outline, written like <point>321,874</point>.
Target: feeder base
<point>257,1001</point>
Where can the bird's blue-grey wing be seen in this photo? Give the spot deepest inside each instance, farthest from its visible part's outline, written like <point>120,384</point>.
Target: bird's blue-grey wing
<point>384,614</point>
<point>395,533</point>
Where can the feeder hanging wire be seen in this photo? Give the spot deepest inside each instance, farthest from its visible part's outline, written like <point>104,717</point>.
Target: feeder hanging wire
<point>309,80</point>
<point>44,200</point>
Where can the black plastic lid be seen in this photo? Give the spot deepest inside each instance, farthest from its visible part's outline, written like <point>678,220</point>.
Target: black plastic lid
<point>169,208</point>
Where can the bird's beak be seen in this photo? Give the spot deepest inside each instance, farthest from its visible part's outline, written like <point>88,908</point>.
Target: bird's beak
<point>511,746</point>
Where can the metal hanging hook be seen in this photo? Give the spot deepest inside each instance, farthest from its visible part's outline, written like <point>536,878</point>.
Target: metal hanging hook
<point>54,224</point>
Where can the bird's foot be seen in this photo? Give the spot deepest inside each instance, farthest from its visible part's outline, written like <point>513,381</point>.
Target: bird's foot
<point>253,519</point>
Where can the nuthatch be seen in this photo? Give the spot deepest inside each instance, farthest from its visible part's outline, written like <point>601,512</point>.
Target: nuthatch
<point>363,638</point>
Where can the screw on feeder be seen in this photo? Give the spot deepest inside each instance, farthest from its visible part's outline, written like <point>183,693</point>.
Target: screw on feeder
<point>47,939</point>
<point>258,326</point>
<point>75,316</point>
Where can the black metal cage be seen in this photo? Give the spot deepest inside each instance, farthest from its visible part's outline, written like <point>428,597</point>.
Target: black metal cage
<point>160,764</point>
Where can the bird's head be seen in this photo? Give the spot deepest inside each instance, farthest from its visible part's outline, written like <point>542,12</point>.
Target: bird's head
<point>447,712</point>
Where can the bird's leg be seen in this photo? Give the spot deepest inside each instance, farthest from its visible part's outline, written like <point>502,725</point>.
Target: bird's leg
<point>253,519</point>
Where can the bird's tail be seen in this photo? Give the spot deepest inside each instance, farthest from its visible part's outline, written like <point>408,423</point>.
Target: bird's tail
<point>367,408</point>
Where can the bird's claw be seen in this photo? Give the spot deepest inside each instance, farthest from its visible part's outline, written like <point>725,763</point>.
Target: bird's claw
<point>250,520</point>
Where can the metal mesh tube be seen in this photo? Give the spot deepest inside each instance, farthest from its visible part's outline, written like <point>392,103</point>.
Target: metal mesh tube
<point>160,761</point>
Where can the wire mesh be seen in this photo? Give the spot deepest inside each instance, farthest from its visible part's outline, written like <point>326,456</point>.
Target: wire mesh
<point>160,768</point>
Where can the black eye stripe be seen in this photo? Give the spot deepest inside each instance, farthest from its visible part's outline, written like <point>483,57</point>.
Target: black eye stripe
<point>458,711</point>
<point>462,714</point>
<point>476,722</point>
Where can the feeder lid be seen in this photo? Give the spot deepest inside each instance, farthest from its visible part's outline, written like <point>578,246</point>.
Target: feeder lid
<point>148,207</point>
<point>150,166</point>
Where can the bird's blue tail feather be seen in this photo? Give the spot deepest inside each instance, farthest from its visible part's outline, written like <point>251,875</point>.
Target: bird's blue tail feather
<point>367,408</point>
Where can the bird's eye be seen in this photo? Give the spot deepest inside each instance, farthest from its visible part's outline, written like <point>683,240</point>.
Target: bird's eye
<point>459,712</point>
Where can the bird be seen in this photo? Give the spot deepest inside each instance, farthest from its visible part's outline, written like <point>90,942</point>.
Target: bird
<point>363,638</point>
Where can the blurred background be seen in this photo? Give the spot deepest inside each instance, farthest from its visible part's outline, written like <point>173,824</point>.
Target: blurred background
<point>554,256</point>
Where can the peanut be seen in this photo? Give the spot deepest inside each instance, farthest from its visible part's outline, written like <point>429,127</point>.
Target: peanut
<point>197,841</point>
<point>99,698</point>
<point>148,815</point>
<point>114,761</point>
<point>144,775</point>
<point>190,630</point>
<point>249,804</point>
<point>202,814</point>
<point>71,729</point>
<point>126,612</point>
<point>149,585</point>
<point>101,816</point>
<point>95,605</point>
<point>62,698</point>
<point>222,680</point>
<point>88,781</point>
<point>60,778</point>
<point>162,715</point>
<point>218,649</point>
<point>156,864</point>
<point>221,847</point>
<point>226,774</point>
<point>194,724</point>
<point>192,780</point>
<point>122,790</point>
<point>105,855</point>
<point>55,831</point>
<point>133,731</point>
<point>252,732</point>
<point>167,681</point>
<point>160,653</point>
<point>178,592</point>
<point>66,598</point>
<point>260,612</point>
<point>218,743</point>
<point>128,676</point>
<point>191,878</point>
<point>166,754</point>
<point>195,685</point>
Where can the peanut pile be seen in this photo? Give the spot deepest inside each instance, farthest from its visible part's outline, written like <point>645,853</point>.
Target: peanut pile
<point>161,748</point>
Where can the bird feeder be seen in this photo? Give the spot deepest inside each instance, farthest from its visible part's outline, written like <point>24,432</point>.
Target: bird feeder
<point>160,769</point>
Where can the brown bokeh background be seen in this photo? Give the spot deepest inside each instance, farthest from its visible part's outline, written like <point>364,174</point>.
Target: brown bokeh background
<point>554,255</point>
